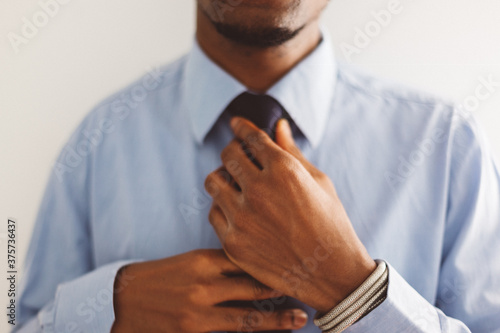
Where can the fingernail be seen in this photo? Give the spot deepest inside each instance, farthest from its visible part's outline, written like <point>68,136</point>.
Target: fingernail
<point>299,318</point>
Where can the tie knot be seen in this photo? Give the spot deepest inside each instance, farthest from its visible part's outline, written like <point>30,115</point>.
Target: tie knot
<point>263,110</point>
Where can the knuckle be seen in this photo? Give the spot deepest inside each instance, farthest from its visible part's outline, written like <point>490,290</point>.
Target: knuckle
<point>257,140</point>
<point>196,292</point>
<point>225,153</point>
<point>186,320</point>
<point>251,319</point>
<point>202,258</point>
<point>209,183</point>
<point>234,167</point>
<point>279,319</point>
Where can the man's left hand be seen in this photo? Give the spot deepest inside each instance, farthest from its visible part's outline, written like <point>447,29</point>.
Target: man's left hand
<point>284,223</point>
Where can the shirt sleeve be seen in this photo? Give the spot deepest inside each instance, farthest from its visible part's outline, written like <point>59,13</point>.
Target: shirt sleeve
<point>61,288</point>
<point>468,292</point>
<point>81,305</point>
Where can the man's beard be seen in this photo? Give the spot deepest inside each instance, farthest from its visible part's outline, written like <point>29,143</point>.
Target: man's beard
<point>260,37</point>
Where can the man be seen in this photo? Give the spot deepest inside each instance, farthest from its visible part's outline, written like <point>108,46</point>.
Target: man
<point>404,178</point>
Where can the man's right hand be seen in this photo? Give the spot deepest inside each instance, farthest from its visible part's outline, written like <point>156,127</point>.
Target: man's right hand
<point>183,293</point>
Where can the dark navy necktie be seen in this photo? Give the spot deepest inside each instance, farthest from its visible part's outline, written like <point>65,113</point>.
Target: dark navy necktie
<point>263,110</point>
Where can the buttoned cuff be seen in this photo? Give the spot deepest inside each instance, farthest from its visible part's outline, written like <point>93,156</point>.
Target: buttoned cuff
<point>405,310</point>
<point>84,304</point>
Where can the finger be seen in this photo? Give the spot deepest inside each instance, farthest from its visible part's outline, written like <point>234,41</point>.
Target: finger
<point>255,140</point>
<point>242,287</point>
<point>222,265</point>
<point>253,320</point>
<point>218,221</point>
<point>284,139</point>
<point>237,163</point>
<point>218,184</point>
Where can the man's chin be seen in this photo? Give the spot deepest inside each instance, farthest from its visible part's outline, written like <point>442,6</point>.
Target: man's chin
<point>257,37</point>
<point>255,23</point>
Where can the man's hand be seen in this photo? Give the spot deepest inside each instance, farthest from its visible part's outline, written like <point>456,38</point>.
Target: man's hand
<point>284,223</point>
<point>181,294</point>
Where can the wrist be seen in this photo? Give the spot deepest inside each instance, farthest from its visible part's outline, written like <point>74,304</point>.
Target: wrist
<point>370,294</point>
<point>338,282</point>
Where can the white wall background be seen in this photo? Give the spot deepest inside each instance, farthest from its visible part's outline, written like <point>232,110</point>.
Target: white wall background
<point>92,48</point>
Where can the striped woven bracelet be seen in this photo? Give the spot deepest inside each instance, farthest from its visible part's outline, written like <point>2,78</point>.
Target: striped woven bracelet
<point>364,299</point>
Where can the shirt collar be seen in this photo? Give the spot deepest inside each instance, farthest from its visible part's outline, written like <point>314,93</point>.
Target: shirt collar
<point>306,92</point>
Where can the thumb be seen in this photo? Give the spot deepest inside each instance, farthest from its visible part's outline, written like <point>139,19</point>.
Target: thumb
<point>284,139</point>
<point>284,136</point>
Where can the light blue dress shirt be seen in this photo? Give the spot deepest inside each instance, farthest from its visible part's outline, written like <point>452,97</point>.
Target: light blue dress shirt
<point>414,173</point>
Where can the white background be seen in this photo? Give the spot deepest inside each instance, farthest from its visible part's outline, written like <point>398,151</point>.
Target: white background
<point>92,48</point>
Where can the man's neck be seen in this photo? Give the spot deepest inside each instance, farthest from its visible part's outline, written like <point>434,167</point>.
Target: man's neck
<point>256,68</point>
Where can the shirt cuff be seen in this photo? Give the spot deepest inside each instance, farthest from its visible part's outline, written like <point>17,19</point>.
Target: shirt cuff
<point>84,304</point>
<point>405,310</point>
